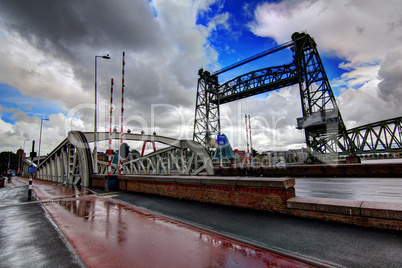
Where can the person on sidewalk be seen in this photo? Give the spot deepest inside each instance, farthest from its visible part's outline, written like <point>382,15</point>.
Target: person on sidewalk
<point>9,175</point>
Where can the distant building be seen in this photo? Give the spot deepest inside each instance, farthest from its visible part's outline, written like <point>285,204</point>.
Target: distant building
<point>290,156</point>
<point>267,157</point>
<point>102,156</point>
<point>240,155</point>
<point>297,155</point>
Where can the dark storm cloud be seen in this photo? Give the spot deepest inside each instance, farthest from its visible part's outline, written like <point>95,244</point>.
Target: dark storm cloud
<point>74,31</point>
<point>163,53</point>
<point>390,87</point>
<point>61,24</point>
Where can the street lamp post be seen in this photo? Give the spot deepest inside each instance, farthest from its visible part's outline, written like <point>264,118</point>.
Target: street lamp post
<point>95,156</point>
<point>40,138</point>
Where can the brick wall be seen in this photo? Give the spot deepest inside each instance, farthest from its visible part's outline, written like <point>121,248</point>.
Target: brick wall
<point>268,195</point>
<point>97,181</point>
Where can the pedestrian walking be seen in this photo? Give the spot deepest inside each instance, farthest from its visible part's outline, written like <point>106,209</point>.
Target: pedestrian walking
<point>9,175</point>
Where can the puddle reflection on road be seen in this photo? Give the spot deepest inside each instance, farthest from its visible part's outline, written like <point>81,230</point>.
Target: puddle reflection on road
<point>107,233</point>
<point>104,231</point>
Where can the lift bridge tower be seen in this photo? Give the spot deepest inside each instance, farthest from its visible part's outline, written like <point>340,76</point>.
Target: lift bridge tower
<point>325,131</point>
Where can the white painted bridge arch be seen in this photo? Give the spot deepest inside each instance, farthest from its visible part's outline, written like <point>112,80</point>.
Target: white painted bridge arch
<point>71,161</point>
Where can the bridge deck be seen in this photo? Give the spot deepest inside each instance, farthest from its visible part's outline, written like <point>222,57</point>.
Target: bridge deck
<point>106,233</point>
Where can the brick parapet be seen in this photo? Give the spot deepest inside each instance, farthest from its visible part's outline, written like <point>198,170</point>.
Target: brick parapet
<point>382,215</point>
<point>266,194</point>
<point>98,181</point>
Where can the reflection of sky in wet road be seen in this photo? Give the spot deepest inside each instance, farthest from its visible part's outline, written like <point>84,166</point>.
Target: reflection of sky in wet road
<point>106,233</point>
<point>364,189</point>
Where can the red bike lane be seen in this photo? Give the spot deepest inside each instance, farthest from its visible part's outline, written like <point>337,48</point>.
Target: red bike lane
<point>107,233</point>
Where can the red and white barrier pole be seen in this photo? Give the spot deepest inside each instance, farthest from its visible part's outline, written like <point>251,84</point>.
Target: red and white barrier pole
<point>248,151</point>
<point>251,141</point>
<point>122,110</point>
<point>109,167</point>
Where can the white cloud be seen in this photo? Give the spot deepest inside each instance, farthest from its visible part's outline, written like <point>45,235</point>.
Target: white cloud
<point>362,33</point>
<point>38,74</point>
<point>273,121</point>
<point>47,59</point>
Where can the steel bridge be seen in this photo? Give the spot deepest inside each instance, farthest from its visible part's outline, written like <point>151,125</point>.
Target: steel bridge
<point>325,131</point>
<point>71,161</point>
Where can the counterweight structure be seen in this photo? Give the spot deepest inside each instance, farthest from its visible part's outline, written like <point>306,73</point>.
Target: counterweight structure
<point>322,122</point>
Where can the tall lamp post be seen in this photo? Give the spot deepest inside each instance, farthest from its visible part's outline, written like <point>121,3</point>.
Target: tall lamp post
<point>40,137</point>
<point>95,169</point>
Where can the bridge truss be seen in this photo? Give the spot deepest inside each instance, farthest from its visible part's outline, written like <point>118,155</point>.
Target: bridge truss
<point>379,137</point>
<point>182,157</point>
<point>325,131</point>
<point>71,161</point>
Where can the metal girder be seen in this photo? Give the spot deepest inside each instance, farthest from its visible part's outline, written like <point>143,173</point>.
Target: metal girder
<point>378,137</point>
<point>255,57</point>
<point>171,160</point>
<point>69,162</point>
<point>321,121</point>
<point>256,82</point>
<point>207,116</point>
<point>184,157</point>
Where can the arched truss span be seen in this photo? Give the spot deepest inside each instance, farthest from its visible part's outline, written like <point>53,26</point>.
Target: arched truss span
<point>183,157</point>
<point>379,137</point>
<point>71,161</point>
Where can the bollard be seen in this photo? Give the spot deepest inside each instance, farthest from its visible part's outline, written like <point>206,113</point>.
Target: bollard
<point>31,171</point>
<point>30,187</point>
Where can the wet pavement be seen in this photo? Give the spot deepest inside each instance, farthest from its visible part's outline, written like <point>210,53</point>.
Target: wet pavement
<point>106,232</point>
<point>28,237</point>
<point>331,244</point>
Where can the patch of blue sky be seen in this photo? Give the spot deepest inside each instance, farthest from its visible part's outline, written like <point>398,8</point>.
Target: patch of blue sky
<point>13,101</point>
<point>331,66</point>
<point>232,38</point>
<point>153,9</point>
<point>235,42</point>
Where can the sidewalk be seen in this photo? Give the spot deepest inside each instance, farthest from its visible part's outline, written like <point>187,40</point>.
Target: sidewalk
<point>107,232</point>
<point>27,237</point>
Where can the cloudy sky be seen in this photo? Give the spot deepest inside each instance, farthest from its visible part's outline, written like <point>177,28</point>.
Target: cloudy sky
<point>48,49</point>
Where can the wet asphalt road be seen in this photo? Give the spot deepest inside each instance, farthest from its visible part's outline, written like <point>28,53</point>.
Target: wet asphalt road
<point>29,239</point>
<point>109,233</point>
<point>27,236</point>
<point>334,244</point>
